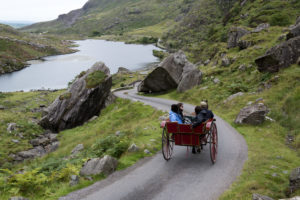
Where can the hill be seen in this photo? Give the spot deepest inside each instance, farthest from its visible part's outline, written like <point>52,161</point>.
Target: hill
<point>16,48</point>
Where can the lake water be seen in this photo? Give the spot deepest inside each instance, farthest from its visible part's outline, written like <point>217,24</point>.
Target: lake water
<point>56,71</point>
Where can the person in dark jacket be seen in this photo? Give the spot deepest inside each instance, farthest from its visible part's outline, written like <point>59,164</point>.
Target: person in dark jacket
<point>180,111</point>
<point>202,114</point>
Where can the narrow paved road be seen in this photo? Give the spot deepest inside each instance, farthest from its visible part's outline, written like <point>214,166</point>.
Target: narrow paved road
<point>184,177</point>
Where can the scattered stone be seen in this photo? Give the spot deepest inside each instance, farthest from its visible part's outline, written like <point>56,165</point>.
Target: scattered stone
<point>93,118</point>
<point>285,171</point>
<point>234,36</point>
<point>216,81</point>
<point>225,62</point>
<point>242,67</point>
<point>206,62</point>
<point>133,148</point>
<point>253,114</point>
<point>261,27</point>
<point>293,198</point>
<point>18,198</point>
<point>146,151</point>
<point>233,96</point>
<point>2,107</point>
<point>74,180</point>
<point>106,165</point>
<point>259,100</point>
<point>153,140</point>
<point>80,102</point>
<point>32,153</point>
<point>294,32</point>
<point>52,147</point>
<point>20,135</point>
<point>204,88</point>
<point>260,197</point>
<point>77,149</point>
<point>15,141</point>
<point>11,127</point>
<point>274,174</point>
<point>281,37</point>
<point>249,103</point>
<point>295,180</point>
<point>280,56</point>
<point>42,141</point>
<point>52,137</point>
<point>270,119</point>
<point>118,133</point>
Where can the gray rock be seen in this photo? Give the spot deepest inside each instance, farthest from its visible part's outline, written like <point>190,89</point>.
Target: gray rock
<point>146,151</point>
<point>11,127</point>
<point>280,56</point>
<point>93,119</point>
<point>225,62</point>
<point>42,141</point>
<point>206,62</point>
<point>74,180</point>
<point>260,197</point>
<point>77,149</point>
<point>295,180</point>
<point>133,148</point>
<point>52,137</point>
<point>253,114</point>
<point>79,103</point>
<point>298,20</point>
<point>52,147</point>
<point>32,153</point>
<point>189,80</point>
<point>294,32</point>
<point>15,141</point>
<point>118,133</point>
<point>18,198</point>
<point>261,27</point>
<point>234,96</point>
<point>123,70</point>
<point>244,44</point>
<point>242,67</point>
<point>106,165</point>
<point>234,36</point>
<point>175,71</point>
<point>110,99</point>
<point>216,81</point>
<point>2,107</point>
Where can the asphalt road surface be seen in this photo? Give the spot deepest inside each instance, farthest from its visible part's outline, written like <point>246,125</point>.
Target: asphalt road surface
<point>185,177</point>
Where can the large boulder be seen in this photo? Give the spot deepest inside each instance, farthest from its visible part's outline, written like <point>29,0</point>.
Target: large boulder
<point>106,165</point>
<point>294,30</point>
<point>253,114</point>
<point>84,99</point>
<point>157,81</point>
<point>280,56</point>
<point>173,72</point>
<point>190,79</point>
<point>234,36</point>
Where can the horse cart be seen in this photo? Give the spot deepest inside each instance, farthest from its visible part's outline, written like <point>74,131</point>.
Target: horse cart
<point>184,135</point>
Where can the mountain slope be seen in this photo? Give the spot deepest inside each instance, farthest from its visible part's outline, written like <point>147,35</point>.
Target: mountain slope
<point>16,48</point>
<point>98,17</point>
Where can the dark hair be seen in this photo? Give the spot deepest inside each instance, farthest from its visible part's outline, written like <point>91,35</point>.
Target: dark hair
<point>174,108</point>
<point>198,110</point>
<point>179,105</point>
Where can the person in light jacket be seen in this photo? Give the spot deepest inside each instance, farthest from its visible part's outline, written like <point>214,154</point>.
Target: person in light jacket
<point>173,115</point>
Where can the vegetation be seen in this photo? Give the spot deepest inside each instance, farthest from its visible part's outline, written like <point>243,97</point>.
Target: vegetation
<point>94,79</point>
<point>160,54</point>
<point>48,177</point>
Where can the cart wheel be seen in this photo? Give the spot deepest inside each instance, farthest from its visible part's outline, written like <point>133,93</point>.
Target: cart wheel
<point>213,142</point>
<point>167,145</point>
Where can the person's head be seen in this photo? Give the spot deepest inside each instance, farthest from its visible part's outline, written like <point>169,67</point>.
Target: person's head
<point>174,108</point>
<point>197,110</point>
<point>204,104</point>
<point>180,106</point>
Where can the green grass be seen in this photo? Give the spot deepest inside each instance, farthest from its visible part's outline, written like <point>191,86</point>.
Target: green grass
<point>48,177</point>
<point>94,79</point>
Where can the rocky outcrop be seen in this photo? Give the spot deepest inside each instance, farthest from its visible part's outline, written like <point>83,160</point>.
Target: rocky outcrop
<point>77,149</point>
<point>233,96</point>
<point>123,70</point>
<point>253,114</point>
<point>84,99</point>
<point>280,56</point>
<point>260,197</point>
<point>294,30</point>
<point>261,27</point>
<point>173,72</point>
<point>295,180</point>
<point>106,165</point>
<point>234,36</point>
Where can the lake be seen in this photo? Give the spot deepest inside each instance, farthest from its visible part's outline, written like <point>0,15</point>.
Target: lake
<point>56,71</point>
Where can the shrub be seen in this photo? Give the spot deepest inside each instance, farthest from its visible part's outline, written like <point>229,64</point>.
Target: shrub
<point>66,95</point>
<point>280,19</point>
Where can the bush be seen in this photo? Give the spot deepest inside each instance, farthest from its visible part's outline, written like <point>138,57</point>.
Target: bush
<point>94,79</point>
<point>280,19</point>
<point>111,145</point>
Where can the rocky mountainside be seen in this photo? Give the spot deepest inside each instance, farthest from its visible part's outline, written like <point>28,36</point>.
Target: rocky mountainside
<point>16,48</point>
<point>100,17</point>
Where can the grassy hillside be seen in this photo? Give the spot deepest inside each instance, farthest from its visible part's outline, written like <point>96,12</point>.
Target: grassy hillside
<point>48,177</point>
<point>16,48</point>
<point>101,17</point>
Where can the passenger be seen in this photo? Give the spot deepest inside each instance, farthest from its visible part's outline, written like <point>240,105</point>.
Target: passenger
<point>173,115</point>
<point>180,110</point>
<point>202,114</point>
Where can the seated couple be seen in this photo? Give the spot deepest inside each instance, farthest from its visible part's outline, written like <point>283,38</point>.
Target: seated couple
<point>202,114</point>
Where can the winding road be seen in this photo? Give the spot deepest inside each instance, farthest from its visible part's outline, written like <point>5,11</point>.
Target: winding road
<point>184,177</point>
